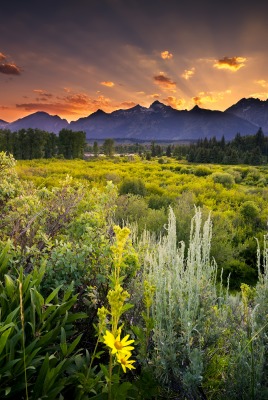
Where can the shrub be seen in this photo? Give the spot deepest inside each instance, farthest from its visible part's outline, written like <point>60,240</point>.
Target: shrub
<point>132,186</point>
<point>224,178</point>
<point>202,171</point>
<point>249,211</point>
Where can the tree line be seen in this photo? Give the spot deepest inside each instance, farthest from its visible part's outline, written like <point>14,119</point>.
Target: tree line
<point>28,144</point>
<point>251,149</point>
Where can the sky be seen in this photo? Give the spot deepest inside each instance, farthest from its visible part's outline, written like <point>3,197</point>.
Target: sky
<point>72,58</point>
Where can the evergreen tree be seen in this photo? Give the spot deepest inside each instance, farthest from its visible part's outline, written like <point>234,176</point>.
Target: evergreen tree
<point>108,147</point>
<point>95,149</point>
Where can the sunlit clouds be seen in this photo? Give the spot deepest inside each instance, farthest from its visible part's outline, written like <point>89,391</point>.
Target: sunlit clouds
<point>86,56</point>
<point>108,83</point>
<point>188,73</point>
<point>230,63</point>
<point>207,98</point>
<point>71,105</point>
<point>173,102</point>
<point>164,82</point>
<point>263,83</point>
<point>166,55</point>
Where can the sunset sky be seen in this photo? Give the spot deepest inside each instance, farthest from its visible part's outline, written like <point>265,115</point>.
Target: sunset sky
<point>71,58</point>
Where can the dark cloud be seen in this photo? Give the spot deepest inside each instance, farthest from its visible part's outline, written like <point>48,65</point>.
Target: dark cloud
<point>231,63</point>
<point>164,82</point>
<point>10,69</point>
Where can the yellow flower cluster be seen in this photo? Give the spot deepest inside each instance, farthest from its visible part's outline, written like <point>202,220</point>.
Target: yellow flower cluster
<point>121,348</point>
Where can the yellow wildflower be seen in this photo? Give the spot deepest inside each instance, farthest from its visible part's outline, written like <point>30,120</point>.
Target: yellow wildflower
<point>117,345</point>
<point>125,362</point>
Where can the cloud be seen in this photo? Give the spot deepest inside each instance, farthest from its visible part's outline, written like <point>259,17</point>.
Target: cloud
<point>174,102</point>
<point>209,97</point>
<point>188,73</point>
<point>155,95</point>
<point>9,69</point>
<point>107,83</point>
<point>128,104</point>
<point>166,55</point>
<point>2,57</point>
<point>230,63</point>
<point>42,92</point>
<point>262,83</point>
<point>260,95</point>
<point>79,104</point>
<point>164,82</point>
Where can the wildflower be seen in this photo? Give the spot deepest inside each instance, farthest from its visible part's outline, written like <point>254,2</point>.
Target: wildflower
<point>117,345</point>
<point>125,362</point>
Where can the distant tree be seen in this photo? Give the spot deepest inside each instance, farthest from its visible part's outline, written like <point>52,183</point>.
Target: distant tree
<point>168,151</point>
<point>72,144</point>
<point>153,149</point>
<point>108,147</point>
<point>95,149</point>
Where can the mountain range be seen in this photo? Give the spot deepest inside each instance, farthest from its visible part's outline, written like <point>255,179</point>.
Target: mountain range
<point>158,122</point>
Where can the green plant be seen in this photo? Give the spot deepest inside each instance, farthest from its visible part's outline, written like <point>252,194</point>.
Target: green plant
<point>38,342</point>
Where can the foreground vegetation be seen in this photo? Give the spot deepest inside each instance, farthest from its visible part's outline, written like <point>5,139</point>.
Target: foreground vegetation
<point>93,305</point>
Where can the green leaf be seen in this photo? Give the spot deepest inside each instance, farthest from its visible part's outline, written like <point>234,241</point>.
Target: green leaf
<point>53,294</point>
<point>126,307</point>
<point>104,370</point>
<point>9,286</point>
<point>63,344</point>
<point>3,339</point>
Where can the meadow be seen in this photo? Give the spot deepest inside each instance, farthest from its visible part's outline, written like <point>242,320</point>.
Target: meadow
<point>126,278</point>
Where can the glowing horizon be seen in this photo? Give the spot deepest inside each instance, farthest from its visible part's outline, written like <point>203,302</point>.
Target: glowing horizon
<point>116,55</point>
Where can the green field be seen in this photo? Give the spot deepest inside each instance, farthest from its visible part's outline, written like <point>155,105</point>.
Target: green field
<point>170,253</point>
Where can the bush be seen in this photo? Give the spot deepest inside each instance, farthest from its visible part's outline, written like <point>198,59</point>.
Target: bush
<point>132,186</point>
<point>224,178</point>
<point>202,171</point>
<point>249,211</point>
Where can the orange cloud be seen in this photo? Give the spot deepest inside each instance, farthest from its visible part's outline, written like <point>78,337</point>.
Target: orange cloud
<point>164,82</point>
<point>230,63</point>
<point>262,95</point>
<point>155,95</point>
<point>188,73</point>
<point>262,83</point>
<point>2,57</point>
<point>107,83</point>
<point>166,55</point>
<point>174,102</point>
<point>128,104</point>
<point>9,69</point>
<point>209,97</point>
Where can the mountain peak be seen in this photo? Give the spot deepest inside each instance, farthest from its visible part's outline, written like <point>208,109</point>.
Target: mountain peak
<point>157,104</point>
<point>196,108</point>
<point>99,112</point>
